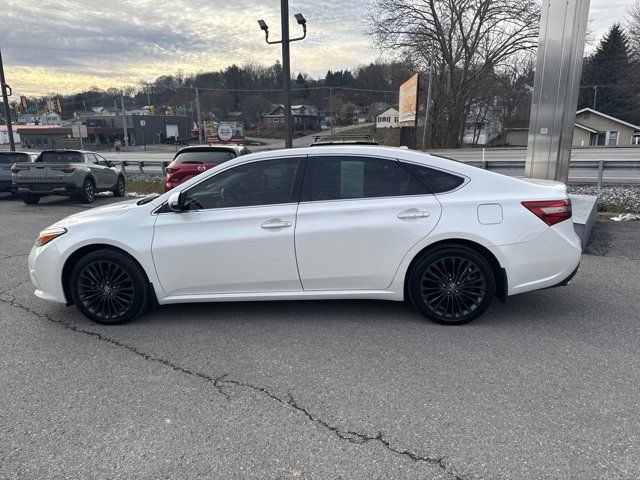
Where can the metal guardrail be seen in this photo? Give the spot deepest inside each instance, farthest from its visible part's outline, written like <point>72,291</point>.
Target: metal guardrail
<point>600,165</point>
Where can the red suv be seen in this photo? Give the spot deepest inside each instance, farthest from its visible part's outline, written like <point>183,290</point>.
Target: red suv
<point>191,161</point>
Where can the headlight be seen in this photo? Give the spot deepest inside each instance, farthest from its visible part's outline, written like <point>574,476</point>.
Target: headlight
<point>49,234</point>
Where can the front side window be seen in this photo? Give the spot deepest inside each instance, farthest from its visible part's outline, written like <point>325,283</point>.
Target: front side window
<point>336,178</point>
<point>268,182</point>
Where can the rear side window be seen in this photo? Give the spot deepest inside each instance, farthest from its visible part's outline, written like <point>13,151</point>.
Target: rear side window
<point>61,157</point>
<point>435,180</point>
<point>198,157</point>
<point>335,178</point>
<point>11,158</point>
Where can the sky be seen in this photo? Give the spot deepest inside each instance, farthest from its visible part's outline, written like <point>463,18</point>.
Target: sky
<point>66,46</point>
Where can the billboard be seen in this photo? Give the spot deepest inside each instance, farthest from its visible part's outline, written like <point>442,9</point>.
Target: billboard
<point>408,103</point>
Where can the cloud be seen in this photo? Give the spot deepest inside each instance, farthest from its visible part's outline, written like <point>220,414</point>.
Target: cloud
<point>77,44</point>
<point>69,45</point>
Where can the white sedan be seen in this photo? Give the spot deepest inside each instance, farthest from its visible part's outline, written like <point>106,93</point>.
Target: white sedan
<point>328,222</point>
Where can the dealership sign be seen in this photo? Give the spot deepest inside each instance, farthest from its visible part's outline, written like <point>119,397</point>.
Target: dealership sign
<point>225,132</point>
<point>408,102</point>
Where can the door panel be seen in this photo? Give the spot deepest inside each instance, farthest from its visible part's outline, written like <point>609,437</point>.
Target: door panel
<point>226,250</point>
<point>359,244</point>
<point>236,234</point>
<point>359,218</point>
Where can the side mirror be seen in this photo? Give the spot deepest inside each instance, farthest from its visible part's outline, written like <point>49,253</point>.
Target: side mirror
<point>176,202</point>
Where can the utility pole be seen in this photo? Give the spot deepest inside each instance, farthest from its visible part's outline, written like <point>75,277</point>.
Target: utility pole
<point>7,109</point>
<point>286,64</point>
<point>331,108</point>
<point>595,96</point>
<point>148,96</point>
<point>124,121</point>
<point>427,107</point>
<point>199,117</point>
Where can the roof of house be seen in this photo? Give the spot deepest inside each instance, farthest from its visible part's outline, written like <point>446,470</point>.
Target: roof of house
<point>584,127</point>
<point>389,111</point>
<point>604,115</point>
<point>308,110</point>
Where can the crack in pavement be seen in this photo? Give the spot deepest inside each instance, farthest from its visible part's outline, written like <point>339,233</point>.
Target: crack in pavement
<point>221,382</point>
<point>14,256</point>
<point>13,287</point>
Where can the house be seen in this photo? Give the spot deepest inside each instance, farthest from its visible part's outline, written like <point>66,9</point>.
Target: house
<point>388,119</point>
<point>597,128</point>
<point>303,117</point>
<point>483,124</point>
<point>591,128</point>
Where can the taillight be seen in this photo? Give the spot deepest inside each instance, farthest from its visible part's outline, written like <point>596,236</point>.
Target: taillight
<point>68,169</point>
<point>550,211</point>
<point>15,169</point>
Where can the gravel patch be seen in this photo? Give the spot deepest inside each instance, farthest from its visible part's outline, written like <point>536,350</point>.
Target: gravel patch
<point>615,198</point>
<point>145,177</point>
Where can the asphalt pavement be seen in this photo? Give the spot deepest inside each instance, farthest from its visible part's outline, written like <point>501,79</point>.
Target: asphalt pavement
<point>546,386</point>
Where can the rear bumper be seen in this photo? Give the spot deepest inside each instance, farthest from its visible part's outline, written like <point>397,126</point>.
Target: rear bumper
<point>45,189</point>
<point>550,260</point>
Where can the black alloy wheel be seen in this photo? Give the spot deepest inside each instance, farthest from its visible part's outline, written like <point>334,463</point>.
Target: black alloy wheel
<point>452,285</point>
<point>108,287</point>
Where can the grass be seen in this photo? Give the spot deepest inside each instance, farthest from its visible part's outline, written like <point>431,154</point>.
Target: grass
<point>145,187</point>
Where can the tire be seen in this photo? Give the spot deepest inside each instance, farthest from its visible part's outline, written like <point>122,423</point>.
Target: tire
<point>30,199</point>
<point>108,287</point>
<point>120,188</point>
<point>88,192</point>
<point>452,285</point>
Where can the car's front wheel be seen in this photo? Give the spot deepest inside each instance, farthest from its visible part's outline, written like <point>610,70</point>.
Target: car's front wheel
<point>108,287</point>
<point>452,285</point>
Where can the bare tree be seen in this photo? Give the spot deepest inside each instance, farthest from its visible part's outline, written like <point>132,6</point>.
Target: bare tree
<point>467,41</point>
<point>633,28</point>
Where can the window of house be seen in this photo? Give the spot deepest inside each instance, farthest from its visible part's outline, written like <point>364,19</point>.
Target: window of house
<point>613,137</point>
<point>336,178</point>
<point>601,138</point>
<point>268,119</point>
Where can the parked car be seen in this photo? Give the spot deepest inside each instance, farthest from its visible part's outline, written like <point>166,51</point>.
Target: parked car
<point>191,161</point>
<point>66,172</point>
<point>7,159</point>
<point>332,222</point>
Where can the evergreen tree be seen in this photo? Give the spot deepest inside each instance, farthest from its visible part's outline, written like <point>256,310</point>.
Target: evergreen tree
<point>608,82</point>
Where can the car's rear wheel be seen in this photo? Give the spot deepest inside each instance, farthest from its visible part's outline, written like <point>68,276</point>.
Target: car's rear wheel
<point>108,287</point>
<point>119,189</point>
<point>88,192</point>
<point>30,199</point>
<point>452,285</point>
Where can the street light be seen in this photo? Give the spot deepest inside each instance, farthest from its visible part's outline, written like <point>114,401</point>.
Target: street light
<point>286,63</point>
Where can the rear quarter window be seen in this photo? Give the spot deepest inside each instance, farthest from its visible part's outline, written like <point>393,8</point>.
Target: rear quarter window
<point>436,181</point>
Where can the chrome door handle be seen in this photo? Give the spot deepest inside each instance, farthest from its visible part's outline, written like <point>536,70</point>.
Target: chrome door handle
<point>276,223</point>
<point>413,213</point>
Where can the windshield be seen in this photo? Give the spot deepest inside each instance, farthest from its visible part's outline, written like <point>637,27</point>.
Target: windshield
<point>11,158</point>
<point>60,157</point>
<point>197,157</point>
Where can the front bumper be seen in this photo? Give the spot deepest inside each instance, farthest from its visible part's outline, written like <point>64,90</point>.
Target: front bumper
<point>45,271</point>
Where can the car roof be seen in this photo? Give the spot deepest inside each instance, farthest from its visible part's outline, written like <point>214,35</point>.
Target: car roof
<point>7,152</point>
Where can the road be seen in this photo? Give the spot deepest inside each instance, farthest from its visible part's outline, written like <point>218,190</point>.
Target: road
<point>545,386</point>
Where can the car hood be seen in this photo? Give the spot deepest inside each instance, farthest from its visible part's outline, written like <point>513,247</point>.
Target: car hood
<point>98,213</point>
